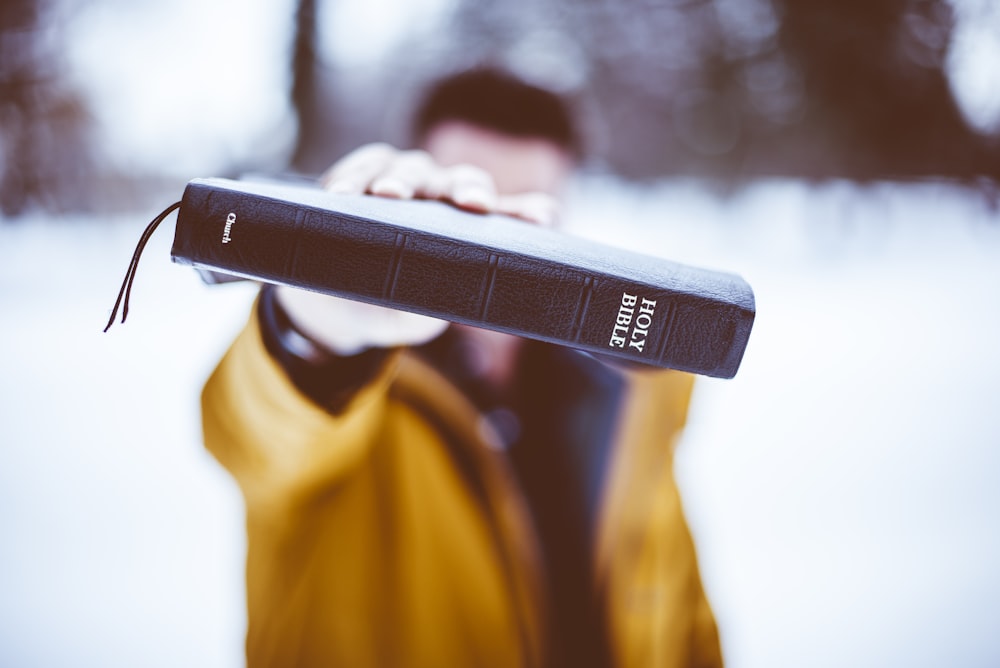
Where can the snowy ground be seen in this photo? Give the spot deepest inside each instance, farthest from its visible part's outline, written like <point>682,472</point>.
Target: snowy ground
<point>843,489</point>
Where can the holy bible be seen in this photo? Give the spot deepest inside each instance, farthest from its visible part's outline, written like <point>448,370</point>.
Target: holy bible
<point>488,271</point>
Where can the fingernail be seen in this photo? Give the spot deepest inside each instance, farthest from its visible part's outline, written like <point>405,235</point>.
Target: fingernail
<point>475,197</point>
<point>390,187</point>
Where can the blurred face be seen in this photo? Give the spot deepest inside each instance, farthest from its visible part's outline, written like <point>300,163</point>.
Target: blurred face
<point>517,164</point>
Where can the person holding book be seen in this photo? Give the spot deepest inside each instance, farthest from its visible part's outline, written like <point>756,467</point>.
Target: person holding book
<point>426,494</point>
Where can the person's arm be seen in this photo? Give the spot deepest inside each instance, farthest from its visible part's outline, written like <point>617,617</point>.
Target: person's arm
<point>299,397</point>
<point>281,445</point>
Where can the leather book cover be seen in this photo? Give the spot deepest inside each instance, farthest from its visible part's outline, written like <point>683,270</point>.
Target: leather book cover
<point>489,271</point>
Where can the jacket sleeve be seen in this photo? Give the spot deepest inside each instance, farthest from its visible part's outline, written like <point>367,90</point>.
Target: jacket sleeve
<point>278,444</point>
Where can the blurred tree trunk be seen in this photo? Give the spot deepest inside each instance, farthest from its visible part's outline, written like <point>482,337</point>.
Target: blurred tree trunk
<point>306,94</point>
<point>46,158</point>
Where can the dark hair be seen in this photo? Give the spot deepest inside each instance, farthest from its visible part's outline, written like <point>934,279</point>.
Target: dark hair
<point>492,99</point>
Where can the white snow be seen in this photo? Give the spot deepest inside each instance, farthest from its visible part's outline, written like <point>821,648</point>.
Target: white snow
<point>842,489</point>
<point>122,540</point>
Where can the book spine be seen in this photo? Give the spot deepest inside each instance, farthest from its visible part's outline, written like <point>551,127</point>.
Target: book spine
<point>390,264</point>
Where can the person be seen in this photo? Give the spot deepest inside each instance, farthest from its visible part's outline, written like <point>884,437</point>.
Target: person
<point>426,494</point>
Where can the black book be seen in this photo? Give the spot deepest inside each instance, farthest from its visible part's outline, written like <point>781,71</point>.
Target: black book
<point>489,271</point>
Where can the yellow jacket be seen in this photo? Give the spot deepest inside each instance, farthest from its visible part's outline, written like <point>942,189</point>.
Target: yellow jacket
<point>369,546</point>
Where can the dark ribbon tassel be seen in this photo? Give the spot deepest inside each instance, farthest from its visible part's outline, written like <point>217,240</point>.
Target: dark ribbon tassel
<point>126,289</point>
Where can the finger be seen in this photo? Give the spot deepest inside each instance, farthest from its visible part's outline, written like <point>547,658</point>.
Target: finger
<point>405,176</point>
<point>471,188</point>
<point>434,184</point>
<point>540,208</point>
<point>355,172</point>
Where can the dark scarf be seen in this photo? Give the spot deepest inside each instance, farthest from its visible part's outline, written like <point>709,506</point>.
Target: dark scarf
<point>558,419</point>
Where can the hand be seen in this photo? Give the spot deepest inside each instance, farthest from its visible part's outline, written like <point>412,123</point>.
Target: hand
<point>380,169</point>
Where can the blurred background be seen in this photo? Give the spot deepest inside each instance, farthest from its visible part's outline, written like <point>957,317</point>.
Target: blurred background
<point>842,155</point>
